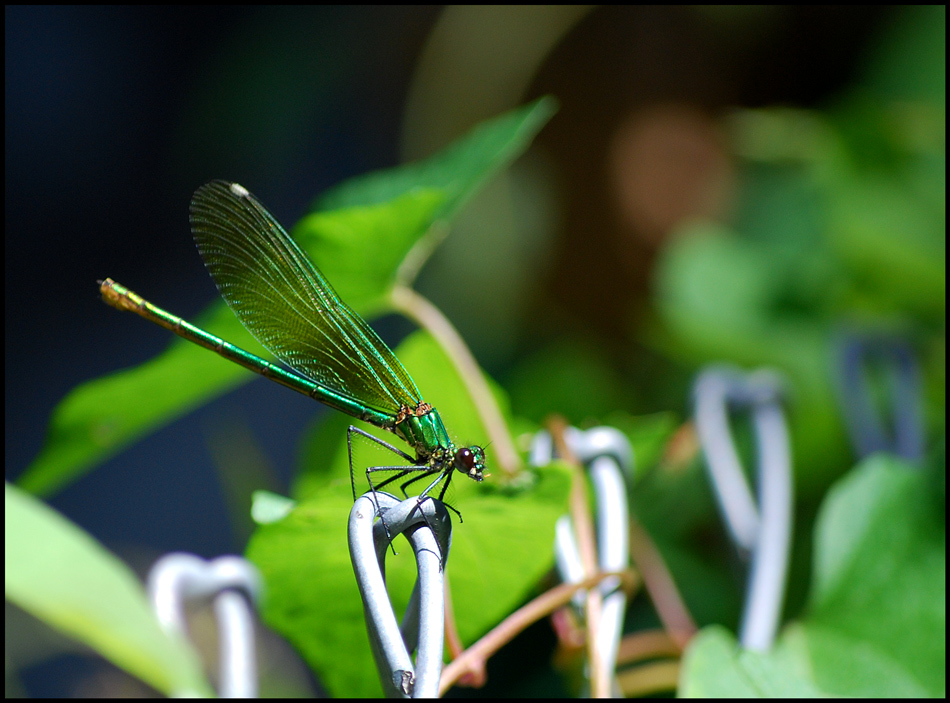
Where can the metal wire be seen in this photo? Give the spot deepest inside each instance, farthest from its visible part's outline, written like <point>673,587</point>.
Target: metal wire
<point>855,353</point>
<point>761,533</point>
<point>607,454</point>
<point>233,585</point>
<point>428,527</point>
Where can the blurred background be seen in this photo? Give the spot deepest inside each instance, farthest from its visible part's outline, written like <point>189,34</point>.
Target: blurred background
<point>732,183</point>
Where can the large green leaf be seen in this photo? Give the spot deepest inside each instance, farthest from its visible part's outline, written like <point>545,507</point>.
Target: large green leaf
<point>97,419</point>
<point>499,552</point>
<point>65,578</point>
<point>716,667</point>
<point>359,246</point>
<point>876,621</point>
<point>459,170</point>
<point>877,613</point>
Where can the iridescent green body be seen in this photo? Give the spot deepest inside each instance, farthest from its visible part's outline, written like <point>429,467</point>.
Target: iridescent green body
<point>120,297</point>
<point>333,355</point>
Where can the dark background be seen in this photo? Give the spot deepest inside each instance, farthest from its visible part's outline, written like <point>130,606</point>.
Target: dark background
<point>115,115</point>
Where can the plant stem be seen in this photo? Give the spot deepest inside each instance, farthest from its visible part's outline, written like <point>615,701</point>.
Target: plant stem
<point>417,308</point>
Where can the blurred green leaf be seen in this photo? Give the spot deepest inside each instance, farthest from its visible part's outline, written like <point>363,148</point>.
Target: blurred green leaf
<point>65,578</point>
<point>270,507</point>
<point>876,621</point>
<point>893,245</point>
<point>459,170</point>
<point>714,666</point>
<point>909,61</point>
<point>841,223</point>
<point>750,322</point>
<point>572,378</point>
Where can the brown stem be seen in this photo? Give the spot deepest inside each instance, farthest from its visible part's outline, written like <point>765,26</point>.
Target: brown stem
<point>414,306</point>
<point>473,659</point>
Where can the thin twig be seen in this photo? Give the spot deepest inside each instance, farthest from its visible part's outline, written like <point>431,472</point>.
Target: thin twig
<point>473,659</point>
<point>647,644</point>
<point>584,528</point>
<point>648,679</point>
<point>430,318</point>
<point>659,583</point>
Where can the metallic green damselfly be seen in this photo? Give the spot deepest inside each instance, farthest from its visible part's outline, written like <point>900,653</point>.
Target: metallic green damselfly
<point>333,355</point>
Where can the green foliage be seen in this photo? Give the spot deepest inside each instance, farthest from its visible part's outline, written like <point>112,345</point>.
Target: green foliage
<point>840,222</point>
<point>312,596</point>
<point>591,388</point>
<point>840,226</point>
<point>61,575</point>
<point>360,245</point>
<point>716,667</point>
<point>876,621</point>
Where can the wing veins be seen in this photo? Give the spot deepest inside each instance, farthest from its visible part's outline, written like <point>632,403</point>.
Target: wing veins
<point>309,327</point>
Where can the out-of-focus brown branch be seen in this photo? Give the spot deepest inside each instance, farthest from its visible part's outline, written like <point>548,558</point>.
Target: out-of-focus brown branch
<point>473,659</point>
<point>584,529</point>
<point>659,583</point>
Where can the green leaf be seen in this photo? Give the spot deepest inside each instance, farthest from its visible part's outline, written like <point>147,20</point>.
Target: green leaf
<point>498,554</point>
<point>714,666</point>
<point>572,378</point>
<point>65,578</point>
<point>895,246</point>
<point>460,169</point>
<point>359,247</point>
<point>314,602</point>
<point>876,622</point>
<point>877,613</point>
<point>97,419</point>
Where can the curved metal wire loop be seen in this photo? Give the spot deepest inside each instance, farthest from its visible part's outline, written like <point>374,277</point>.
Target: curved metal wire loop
<point>233,586</point>
<point>761,532</point>
<point>902,433</point>
<point>608,456</point>
<point>428,528</point>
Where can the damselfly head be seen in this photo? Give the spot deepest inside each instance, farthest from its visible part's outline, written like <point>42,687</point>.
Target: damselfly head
<point>471,462</point>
